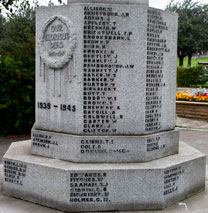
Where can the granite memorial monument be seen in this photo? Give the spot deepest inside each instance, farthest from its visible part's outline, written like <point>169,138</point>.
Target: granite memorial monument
<point>104,136</point>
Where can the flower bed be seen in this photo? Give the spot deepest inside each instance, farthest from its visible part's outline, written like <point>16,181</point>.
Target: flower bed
<point>199,95</point>
<point>192,105</point>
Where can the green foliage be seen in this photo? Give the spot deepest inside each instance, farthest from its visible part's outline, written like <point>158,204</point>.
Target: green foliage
<point>190,76</point>
<point>17,70</point>
<point>17,97</point>
<point>18,35</point>
<point>192,27</point>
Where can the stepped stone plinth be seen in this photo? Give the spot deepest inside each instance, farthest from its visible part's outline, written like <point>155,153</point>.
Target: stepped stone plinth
<point>105,186</point>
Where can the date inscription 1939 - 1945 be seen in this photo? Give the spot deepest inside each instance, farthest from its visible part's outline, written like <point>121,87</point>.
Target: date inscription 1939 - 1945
<point>62,107</point>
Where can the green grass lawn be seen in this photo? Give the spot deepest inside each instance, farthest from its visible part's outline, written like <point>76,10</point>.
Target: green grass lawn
<point>194,61</point>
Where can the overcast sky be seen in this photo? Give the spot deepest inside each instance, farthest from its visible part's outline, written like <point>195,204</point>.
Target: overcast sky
<point>161,4</point>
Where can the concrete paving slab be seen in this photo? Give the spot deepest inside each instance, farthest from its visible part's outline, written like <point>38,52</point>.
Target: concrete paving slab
<point>191,123</point>
<point>195,204</point>
<point>196,139</point>
<point>194,133</point>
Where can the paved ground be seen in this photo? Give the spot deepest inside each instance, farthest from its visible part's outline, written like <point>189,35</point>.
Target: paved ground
<point>193,132</point>
<point>196,139</point>
<point>192,124</point>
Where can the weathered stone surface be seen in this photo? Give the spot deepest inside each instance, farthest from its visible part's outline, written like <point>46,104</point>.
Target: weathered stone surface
<point>110,70</point>
<point>197,203</point>
<point>95,187</point>
<point>79,148</point>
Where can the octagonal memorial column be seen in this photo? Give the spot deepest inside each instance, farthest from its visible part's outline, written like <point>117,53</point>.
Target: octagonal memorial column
<point>105,82</point>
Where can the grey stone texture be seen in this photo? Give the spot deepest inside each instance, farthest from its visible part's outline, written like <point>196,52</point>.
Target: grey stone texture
<point>97,187</point>
<point>133,94</point>
<point>79,148</point>
<point>194,204</point>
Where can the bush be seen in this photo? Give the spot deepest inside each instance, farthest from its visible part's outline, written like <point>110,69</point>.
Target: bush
<point>17,73</point>
<point>190,76</point>
<point>17,98</point>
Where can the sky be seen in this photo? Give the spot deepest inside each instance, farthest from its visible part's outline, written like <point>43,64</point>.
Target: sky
<point>161,4</point>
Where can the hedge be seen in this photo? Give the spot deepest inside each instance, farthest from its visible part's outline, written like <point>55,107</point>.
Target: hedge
<point>190,76</point>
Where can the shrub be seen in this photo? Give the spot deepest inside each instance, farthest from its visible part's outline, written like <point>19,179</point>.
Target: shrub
<point>17,97</point>
<point>190,76</point>
<point>17,72</point>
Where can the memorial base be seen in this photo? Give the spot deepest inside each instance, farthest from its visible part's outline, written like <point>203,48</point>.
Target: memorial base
<point>125,148</point>
<point>101,187</point>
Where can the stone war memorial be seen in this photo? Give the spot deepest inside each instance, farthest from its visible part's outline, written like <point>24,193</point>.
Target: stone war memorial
<point>104,138</point>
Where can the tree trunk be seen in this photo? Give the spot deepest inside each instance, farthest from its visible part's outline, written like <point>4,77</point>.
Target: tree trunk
<point>189,60</point>
<point>181,61</point>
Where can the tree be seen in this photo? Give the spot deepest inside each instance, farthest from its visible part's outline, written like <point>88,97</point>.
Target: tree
<point>17,69</point>
<point>18,37</point>
<point>10,5</point>
<point>2,23</point>
<point>192,28</point>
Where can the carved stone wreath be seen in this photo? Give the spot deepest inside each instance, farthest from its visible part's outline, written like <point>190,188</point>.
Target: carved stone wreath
<point>57,42</point>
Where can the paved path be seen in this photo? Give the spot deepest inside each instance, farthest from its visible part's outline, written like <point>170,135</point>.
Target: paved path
<point>192,124</point>
<point>194,133</point>
<point>196,139</point>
